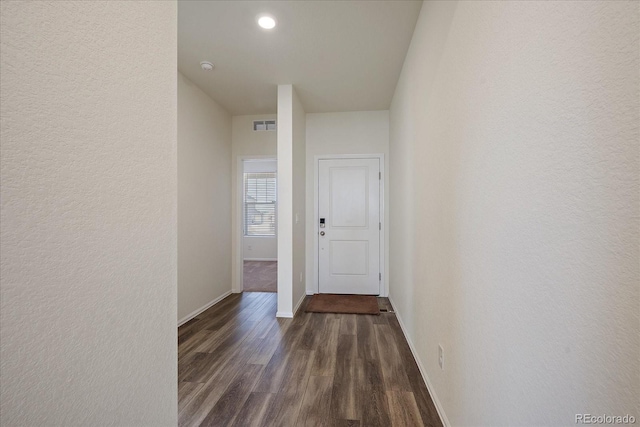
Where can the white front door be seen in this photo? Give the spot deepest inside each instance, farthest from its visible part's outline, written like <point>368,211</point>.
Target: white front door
<point>349,226</point>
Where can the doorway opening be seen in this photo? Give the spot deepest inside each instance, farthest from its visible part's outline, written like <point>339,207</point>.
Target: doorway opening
<point>349,218</point>
<point>259,226</point>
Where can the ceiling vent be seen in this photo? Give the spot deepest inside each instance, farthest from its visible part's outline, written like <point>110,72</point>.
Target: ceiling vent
<point>260,125</point>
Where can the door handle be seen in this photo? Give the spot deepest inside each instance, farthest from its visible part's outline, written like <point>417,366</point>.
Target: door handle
<point>322,233</point>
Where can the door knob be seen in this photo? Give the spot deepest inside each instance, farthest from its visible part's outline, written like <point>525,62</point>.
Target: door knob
<point>322,233</point>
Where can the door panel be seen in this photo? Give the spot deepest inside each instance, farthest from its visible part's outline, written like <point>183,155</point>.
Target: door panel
<point>349,242</point>
<point>349,257</point>
<point>348,197</point>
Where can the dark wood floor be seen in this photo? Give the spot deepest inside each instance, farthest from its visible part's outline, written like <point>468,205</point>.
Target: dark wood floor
<point>240,366</point>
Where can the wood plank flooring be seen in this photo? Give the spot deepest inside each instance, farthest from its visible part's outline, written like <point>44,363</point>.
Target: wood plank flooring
<point>240,366</point>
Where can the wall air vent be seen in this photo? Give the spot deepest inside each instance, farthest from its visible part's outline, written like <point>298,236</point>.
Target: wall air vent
<point>259,125</point>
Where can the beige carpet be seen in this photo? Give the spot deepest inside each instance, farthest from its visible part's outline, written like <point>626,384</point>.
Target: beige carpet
<point>260,276</point>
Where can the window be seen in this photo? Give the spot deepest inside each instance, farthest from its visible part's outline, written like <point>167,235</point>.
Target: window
<point>260,204</point>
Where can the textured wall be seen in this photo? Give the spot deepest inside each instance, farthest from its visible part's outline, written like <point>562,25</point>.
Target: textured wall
<point>291,200</point>
<point>88,223</point>
<point>204,199</point>
<point>299,193</point>
<point>514,203</point>
<point>260,248</point>
<point>285,200</point>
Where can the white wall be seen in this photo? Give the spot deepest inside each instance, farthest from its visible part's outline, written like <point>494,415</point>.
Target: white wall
<point>360,132</point>
<point>514,203</point>
<point>249,144</point>
<point>204,200</point>
<point>299,199</point>
<point>291,185</point>
<point>260,248</point>
<point>285,201</point>
<point>88,223</point>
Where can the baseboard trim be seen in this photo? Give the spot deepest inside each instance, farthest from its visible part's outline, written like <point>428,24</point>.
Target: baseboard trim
<point>260,259</point>
<point>210,304</point>
<point>310,292</point>
<point>285,314</point>
<point>290,314</point>
<point>295,310</point>
<point>423,371</point>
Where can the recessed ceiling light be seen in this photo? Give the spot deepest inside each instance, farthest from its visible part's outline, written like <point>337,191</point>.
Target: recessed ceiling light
<point>206,65</point>
<point>267,22</point>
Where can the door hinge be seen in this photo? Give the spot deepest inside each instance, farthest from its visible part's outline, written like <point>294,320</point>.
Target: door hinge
<point>379,226</point>
<point>380,277</point>
<point>379,175</point>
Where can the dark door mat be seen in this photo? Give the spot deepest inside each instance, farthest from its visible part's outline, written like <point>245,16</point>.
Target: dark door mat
<point>348,304</point>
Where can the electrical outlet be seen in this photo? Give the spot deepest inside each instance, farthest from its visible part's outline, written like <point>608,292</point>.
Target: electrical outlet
<point>249,247</point>
<point>440,356</point>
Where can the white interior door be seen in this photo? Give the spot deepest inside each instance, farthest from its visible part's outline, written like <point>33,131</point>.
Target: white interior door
<point>349,226</point>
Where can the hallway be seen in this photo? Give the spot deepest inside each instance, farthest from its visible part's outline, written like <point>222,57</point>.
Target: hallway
<point>239,365</point>
<point>502,221</point>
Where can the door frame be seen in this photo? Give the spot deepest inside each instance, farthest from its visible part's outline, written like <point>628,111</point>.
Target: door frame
<point>237,257</point>
<point>316,193</point>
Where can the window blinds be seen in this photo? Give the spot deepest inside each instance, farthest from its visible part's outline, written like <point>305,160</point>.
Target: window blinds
<point>260,204</point>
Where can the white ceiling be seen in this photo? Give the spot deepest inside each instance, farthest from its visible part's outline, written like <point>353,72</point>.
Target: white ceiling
<point>339,55</point>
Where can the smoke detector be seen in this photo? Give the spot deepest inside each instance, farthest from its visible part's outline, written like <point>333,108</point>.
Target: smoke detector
<point>206,66</point>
